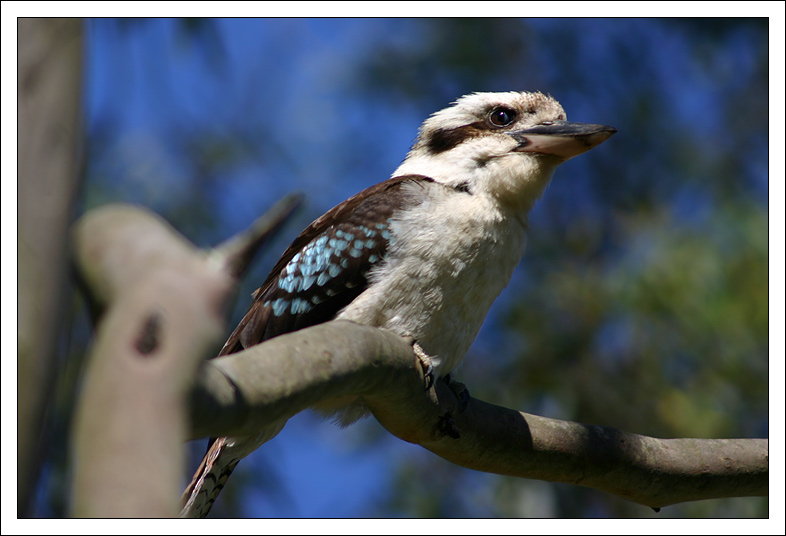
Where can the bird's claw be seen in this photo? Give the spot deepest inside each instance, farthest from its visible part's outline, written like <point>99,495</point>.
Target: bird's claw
<point>426,364</point>
<point>447,426</point>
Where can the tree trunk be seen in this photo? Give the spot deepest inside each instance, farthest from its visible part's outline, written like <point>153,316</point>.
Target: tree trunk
<point>50,139</point>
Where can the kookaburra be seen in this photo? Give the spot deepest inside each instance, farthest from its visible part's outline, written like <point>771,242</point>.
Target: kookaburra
<point>423,254</point>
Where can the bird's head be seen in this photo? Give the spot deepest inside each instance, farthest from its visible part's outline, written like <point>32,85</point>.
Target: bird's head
<point>501,145</point>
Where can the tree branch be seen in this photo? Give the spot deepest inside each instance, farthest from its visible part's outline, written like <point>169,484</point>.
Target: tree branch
<point>163,315</point>
<point>241,393</point>
<point>164,302</point>
<point>240,250</point>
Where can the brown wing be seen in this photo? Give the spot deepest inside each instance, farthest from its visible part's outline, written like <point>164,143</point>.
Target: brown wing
<point>325,268</point>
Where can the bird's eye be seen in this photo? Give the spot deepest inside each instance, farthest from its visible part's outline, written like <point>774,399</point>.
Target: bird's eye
<point>502,117</point>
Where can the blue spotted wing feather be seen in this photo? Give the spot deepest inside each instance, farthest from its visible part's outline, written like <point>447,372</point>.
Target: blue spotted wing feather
<point>326,267</point>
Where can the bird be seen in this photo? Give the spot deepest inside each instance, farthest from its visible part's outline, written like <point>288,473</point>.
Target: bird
<point>423,254</point>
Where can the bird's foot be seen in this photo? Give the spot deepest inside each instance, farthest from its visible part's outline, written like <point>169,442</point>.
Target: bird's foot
<point>460,390</point>
<point>425,363</point>
<point>448,427</point>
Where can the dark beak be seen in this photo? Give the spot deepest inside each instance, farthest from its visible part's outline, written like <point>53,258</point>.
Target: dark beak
<point>564,139</point>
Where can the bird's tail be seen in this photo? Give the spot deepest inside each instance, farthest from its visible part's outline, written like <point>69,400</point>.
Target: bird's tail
<point>209,480</point>
<point>221,458</point>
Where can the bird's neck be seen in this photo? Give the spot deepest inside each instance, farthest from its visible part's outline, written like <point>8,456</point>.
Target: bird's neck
<point>513,182</point>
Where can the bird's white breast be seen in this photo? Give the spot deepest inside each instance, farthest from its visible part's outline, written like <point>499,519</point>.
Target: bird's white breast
<point>449,258</point>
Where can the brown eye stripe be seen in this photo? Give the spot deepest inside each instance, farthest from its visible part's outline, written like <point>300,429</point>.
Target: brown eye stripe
<point>445,139</point>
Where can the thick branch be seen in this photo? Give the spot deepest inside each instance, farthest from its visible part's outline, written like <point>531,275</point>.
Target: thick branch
<point>243,392</point>
<point>164,302</point>
<point>164,316</point>
<point>164,307</point>
<point>238,394</point>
